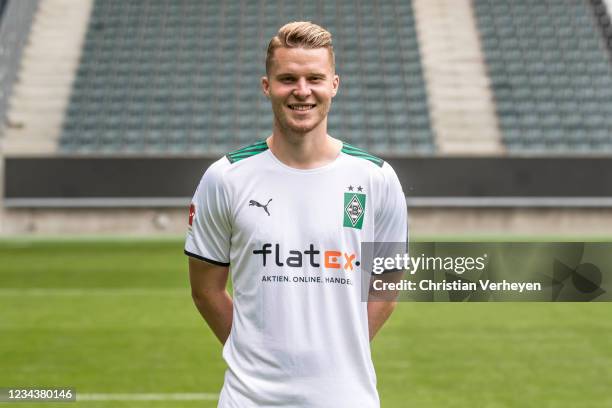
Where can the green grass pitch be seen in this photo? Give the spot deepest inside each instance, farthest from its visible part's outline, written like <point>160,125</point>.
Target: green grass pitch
<point>116,317</point>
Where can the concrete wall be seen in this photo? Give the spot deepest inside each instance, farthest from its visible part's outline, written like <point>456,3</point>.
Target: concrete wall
<point>423,221</point>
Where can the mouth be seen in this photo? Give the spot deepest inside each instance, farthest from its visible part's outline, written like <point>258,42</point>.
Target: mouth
<point>302,107</point>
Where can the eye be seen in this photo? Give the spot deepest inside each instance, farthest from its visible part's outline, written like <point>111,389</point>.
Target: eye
<point>286,80</point>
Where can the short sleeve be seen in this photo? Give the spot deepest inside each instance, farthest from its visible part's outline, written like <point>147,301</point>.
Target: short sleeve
<point>209,234</point>
<point>391,224</point>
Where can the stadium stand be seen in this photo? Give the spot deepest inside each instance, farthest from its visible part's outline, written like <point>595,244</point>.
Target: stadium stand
<point>165,77</point>
<point>550,74</point>
<point>459,92</point>
<point>46,72</point>
<point>145,94</point>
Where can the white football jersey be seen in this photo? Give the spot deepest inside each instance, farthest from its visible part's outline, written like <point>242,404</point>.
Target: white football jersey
<point>291,239</point>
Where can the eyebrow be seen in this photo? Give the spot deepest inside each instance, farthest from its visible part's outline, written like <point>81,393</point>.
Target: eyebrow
<point>288,75</point>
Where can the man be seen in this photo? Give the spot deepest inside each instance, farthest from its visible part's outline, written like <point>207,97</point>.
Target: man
<point>286,216</point>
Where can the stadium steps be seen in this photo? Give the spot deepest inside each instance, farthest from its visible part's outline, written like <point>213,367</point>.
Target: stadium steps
<point>48,66</point>
<point>460,100</point>
<point>601,12</point>
<point>608,4</point>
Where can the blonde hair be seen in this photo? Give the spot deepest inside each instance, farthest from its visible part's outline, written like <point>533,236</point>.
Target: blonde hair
<point>300,34</point>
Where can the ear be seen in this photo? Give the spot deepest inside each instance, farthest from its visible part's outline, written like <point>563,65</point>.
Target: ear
<point>265,86</point>
<point>335,84</point>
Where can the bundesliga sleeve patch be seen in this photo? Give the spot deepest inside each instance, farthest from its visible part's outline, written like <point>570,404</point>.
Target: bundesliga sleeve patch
<point>192,211</point>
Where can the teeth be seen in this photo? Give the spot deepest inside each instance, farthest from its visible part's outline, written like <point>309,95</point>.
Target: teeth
<point>301,107</point>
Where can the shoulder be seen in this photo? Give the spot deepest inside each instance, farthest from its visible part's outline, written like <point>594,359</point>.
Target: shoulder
<point>366,161</point>
<point>361,154</point>
<point>247,152</point>
<point>215,173</point>
<point>380,170</point>
<point>219,170</point>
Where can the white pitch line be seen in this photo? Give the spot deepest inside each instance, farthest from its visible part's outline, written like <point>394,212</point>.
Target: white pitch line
<point>93,291</point>
<point>148,397</point>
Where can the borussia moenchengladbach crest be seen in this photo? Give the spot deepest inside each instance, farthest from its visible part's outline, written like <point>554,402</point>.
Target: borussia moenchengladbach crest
<point>354,208</point>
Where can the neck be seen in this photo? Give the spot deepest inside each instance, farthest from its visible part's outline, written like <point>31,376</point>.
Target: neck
<point>304,150</point>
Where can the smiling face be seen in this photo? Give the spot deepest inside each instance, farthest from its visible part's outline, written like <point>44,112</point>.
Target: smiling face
<point>300,84</point>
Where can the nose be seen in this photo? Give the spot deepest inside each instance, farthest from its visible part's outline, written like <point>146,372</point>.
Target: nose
<point>302,90</point>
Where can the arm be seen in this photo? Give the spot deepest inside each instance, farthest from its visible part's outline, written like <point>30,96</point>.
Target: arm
<point>390,228</point>
<point>210,296</point>
<point>381,303</point>
<point>378,313</point>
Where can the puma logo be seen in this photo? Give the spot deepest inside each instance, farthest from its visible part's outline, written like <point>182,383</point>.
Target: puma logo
<point>256,204</point>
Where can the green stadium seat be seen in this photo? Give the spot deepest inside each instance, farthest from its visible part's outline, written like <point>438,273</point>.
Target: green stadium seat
<point>140,88</point>
<point>549,74</point>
